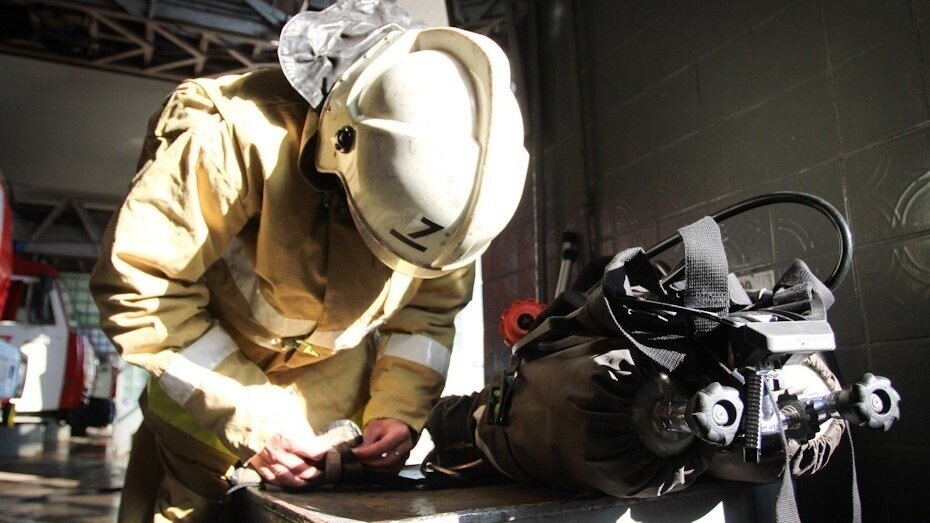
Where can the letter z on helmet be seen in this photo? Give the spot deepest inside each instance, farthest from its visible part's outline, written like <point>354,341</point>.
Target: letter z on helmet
<point>427,138</point>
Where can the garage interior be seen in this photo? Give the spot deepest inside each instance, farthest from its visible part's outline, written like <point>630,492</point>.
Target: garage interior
<point>641,117</point>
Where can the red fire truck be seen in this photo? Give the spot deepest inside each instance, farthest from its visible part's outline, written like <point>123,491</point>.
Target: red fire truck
<point>48,369</point>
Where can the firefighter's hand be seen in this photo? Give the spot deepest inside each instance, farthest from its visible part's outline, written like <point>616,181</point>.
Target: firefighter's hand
<point>386,446</point>
<point>288,463</point>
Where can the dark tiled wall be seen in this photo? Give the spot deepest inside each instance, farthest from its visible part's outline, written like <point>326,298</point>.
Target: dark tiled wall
<point>511,263</point>
<point>684,107</point>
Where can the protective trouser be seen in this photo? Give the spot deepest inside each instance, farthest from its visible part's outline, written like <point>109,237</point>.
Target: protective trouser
<point>172,476</point>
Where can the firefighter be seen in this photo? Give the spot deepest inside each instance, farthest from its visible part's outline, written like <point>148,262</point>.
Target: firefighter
<point>265,300</point>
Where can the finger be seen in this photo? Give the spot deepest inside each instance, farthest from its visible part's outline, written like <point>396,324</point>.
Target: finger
<point>375,431</point>
<point>276,457</point>
<point>382,450</point>
<point>395,456</point>
<point>310,474</point>
<point>374,450</point>
<point>389,466</point>
<point>389,442</point>
<point>259,463</point>
<point>277,468</point>
<point>266,473</point>
<point>284,478</point>
<point>392,460</point>
<point>294,463</point>
<point>314,449</point>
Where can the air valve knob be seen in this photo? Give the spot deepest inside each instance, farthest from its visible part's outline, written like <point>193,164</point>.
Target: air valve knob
<point>714,414</point>
<point>518,318</point>
<point>871,401</point>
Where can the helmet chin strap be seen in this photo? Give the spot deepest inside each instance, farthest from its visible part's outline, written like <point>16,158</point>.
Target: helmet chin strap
<point>322,182</point>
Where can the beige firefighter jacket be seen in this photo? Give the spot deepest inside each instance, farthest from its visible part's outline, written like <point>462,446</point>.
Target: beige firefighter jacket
<point>228,277</point>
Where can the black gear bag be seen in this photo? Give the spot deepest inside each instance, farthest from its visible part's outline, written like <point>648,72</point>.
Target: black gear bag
<point>642,384</point>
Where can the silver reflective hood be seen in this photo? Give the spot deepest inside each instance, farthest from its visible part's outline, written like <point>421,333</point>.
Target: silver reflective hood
<point>316,47</point>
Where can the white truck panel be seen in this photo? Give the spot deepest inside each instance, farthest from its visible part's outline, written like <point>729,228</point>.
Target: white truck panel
<point>46,348</point>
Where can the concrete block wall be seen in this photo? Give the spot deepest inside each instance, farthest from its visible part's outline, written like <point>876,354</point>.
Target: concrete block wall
<point>657,112</point>
<point>511,265</point>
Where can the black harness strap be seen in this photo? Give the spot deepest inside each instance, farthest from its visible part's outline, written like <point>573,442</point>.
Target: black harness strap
<point>706,272</point>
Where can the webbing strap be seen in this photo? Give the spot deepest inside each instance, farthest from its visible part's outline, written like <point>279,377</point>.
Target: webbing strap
<point>738,295</point>
<point>705,272</point>
<point>786,505</point>
<point>631,268</point>
<point>799,284</point>
<point>856,502</point>
<point>666,358</point>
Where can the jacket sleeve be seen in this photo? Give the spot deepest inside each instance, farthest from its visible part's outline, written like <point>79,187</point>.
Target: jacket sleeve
<point>415,348</point>
<point>191,196</point>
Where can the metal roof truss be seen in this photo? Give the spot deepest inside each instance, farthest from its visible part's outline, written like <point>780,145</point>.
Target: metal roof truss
<point>165,39</point>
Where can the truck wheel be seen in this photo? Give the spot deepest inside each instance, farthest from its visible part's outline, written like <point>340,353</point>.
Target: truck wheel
<point>76,420</point>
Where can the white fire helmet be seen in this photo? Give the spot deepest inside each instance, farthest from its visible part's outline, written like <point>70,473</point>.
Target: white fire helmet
<point>427,138</point>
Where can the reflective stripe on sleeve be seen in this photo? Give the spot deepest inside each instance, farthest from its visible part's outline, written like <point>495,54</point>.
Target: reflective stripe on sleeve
<point>419,349</point>
<point>184,375</point>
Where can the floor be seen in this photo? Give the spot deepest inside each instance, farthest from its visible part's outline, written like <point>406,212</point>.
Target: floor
<point>72,481</point>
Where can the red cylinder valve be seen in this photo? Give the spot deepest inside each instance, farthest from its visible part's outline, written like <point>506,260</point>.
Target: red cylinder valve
<point>517,319</point>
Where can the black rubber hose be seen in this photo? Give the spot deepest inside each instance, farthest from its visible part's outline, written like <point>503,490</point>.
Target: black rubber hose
<point>824,207</point>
